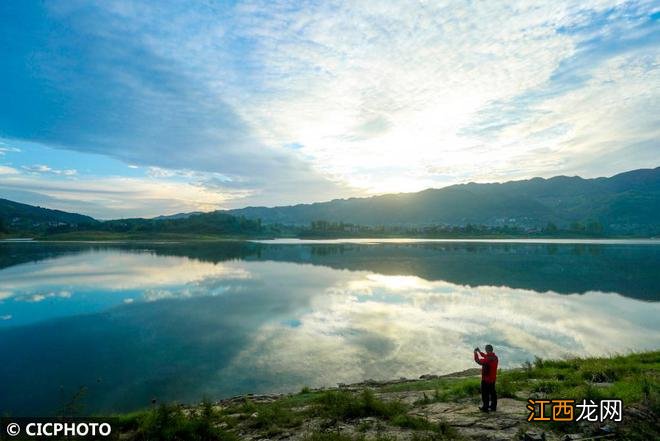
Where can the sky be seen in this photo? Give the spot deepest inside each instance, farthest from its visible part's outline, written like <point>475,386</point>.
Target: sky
<point>122,108</point>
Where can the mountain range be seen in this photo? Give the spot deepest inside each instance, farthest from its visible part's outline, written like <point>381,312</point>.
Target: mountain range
<point>625,204</point>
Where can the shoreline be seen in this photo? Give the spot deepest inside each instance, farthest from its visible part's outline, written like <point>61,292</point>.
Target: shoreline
<point>432,407</point>
<point>351,387</point>
<point>351,240</point>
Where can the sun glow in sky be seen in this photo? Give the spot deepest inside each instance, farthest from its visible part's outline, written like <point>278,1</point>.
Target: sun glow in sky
<point>136,108</point>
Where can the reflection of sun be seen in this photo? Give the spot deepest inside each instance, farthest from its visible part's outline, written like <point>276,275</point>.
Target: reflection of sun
<point>397,282</point>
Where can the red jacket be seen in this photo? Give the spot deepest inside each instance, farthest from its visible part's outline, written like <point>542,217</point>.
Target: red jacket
<point>488,366</point>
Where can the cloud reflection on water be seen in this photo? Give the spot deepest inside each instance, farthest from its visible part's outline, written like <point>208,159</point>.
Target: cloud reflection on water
<point>376,326</point>
<point>181,328</point>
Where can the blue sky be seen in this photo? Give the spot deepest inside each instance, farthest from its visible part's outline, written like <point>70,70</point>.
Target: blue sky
<point>138,108</point>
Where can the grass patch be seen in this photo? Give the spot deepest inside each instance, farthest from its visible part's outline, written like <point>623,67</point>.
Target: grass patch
<point>170,423</point>
<point>329,436</point>
<point>445,389</point>
<point>247,407</point>
<point>451,390</point>
<point>634,378</point>
<point>460,389</point>
<point>342,405</point>
<point>412,422</point>
<point>273,418</point>
<point>337,436</point>
<point>547,387</point>
<point>506,388</point>
<point>267,418</point>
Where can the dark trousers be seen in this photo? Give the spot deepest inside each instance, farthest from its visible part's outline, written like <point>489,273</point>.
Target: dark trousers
<point>488,395</point>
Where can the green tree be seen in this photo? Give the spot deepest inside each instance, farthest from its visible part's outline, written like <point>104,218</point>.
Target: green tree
<point>595,227</point>
<point>577,227</point>
<point>550,228</point>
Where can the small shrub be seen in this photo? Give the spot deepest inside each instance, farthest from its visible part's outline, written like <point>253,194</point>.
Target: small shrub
<point>589,391</point>
<point>168,423</point>
<point>327,436</point>
<point>646,388</point>
<point>599,374</point>
<point>412,422</point>
<point>424,400</point>
<point>440,432</point>
<point>246,407</point>
<point>505,387</point>
<point>365,426</point>
<point>460,389</point>
<point>538,362</point>
<point>547,387</point>
<point>448,431</point>
<point>129,421</point>
<point>345,405</point>
<point>273,417</point>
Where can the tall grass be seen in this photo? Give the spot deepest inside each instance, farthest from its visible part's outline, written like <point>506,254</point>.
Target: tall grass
<point>344,405</point>
<point>633,378</point>
<point>170,423</point>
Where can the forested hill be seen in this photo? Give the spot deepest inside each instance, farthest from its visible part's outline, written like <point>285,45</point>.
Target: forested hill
<point>17,216</point>
<point>625,203</point>
<point>18,219</point>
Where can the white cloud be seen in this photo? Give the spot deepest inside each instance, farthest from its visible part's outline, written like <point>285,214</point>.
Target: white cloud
<point>6,170</point>
<point>116,197</point>
<point>377,326</point>
<point>158,172</point>
<point>376,96</point>
<point>41,168</point>
<point>601,120</point>
<point>350,325</point>
<point>4,150</point>
<point>38,297</point>
<point>380,94</point>
<point>112,272</point>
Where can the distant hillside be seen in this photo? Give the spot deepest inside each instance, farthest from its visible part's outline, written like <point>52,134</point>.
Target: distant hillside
<point>27,220</point>
<point>624,204</point>
<point>627,203</point>
<point>214,223</point>
<point>177,216</point>
<point>23,217</point>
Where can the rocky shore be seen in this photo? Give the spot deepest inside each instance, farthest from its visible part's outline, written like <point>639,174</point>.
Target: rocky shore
<point>429,408</point>
<point>505,424</point>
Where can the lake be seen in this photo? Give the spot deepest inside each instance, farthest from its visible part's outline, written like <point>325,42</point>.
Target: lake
<point>127,323</point>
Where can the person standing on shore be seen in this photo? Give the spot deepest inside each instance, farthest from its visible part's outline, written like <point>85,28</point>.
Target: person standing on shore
<point>488,362</point>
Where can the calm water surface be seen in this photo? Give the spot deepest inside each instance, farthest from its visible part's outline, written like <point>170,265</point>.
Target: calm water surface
<point>132,322</point>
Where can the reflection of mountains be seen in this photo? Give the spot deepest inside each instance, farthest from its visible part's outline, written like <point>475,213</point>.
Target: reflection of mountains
<point>124,357</point>
<point>176,349</point>
<point>630,270</point>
